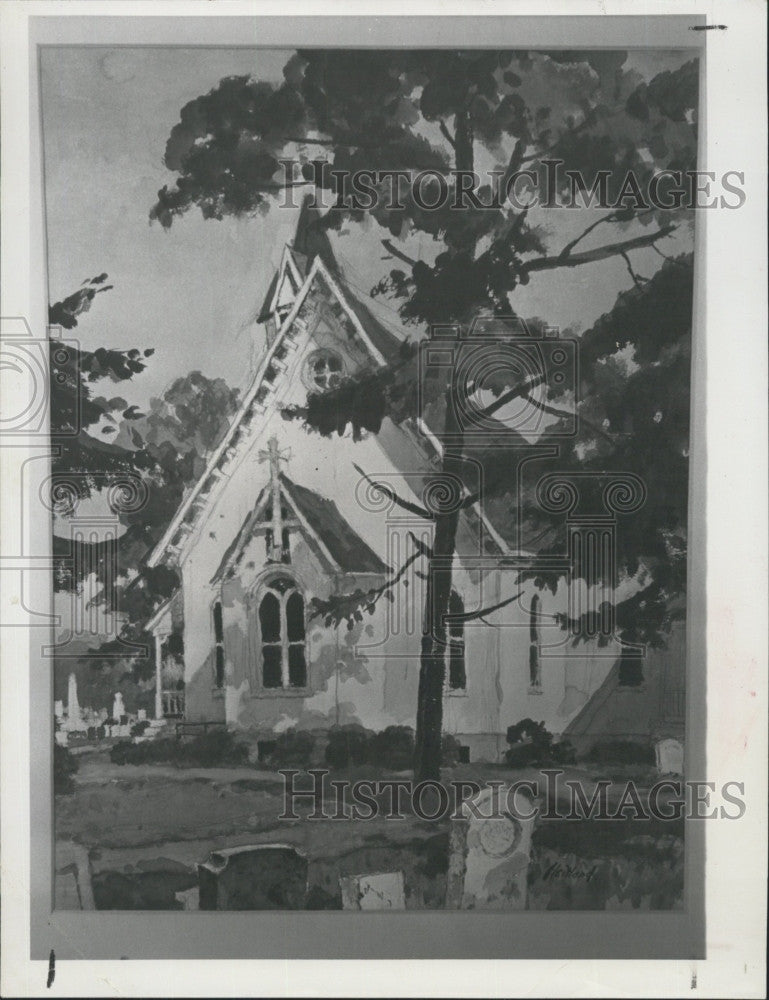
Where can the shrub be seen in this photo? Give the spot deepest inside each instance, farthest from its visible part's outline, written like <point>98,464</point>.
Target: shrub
<point>531,745</point>
<point>622,752</point>
<point>137,729</point>
<point>294,748</point>
<point>64,766</point>
<point>213,749</point>
<point>393,748</point>
<point>348,746</point>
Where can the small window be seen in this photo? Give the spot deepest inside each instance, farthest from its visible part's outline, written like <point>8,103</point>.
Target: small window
<point>324,370</point>
<point>535,665</point>
<point>456,651</point>
<point>219,645</point>
<point>282,632</point>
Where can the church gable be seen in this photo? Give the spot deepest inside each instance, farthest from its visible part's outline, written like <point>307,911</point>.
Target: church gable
<point>320,341</point>
<point>300,512</point>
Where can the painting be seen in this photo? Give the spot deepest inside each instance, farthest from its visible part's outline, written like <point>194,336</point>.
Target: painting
<point>370,386</point>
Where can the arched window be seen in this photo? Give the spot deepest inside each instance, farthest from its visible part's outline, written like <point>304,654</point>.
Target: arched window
<point>218,645</point>
<point>282,635</point>
<point>456,650</point>
<point>535,666</point>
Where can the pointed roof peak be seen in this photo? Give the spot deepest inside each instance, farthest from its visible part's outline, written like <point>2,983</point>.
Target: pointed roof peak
<point>310,240</point>
<point>310,236</point>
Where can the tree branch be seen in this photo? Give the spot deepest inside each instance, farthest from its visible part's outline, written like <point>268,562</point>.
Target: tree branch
<point>570,246</point>
<point>553,411</point>
<point>665,256</point>
<point>458,619</point>
<point>391,248</point>
<point>637,278</point>
<point>333,608</point>
<point>389,492</point>
<point>510,395</point>
<point>599,253</point>
<point>446,134</point>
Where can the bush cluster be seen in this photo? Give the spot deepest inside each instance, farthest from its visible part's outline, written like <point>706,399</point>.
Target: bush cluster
<point>531,745</point>
<point>340,747</point>
<point>216,748</point>
<point>64,766</point>
<point>352,745</point>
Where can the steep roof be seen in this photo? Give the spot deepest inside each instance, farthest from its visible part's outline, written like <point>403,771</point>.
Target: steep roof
<point>346,547</point>
<point>653,706</point>
<point>310,241</point>
<point>338,540</point>
<point>385,341</point>
<point>264,313</point>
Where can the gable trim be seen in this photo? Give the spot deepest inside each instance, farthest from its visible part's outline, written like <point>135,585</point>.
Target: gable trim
<point>247,410</point>
<point>180,525</point>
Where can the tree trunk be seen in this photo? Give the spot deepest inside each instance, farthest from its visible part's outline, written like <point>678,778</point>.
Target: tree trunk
<point>432,661</point>
<point>464,155</point>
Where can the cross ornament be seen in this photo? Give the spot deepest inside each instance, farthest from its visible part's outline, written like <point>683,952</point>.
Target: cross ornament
<point>274,456</point>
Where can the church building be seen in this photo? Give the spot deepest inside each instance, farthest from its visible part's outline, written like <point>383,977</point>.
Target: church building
<point>284,518</point>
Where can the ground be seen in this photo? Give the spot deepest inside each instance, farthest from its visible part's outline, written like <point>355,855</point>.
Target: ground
<point>147,827</point>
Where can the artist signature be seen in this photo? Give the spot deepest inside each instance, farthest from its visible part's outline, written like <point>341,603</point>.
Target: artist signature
<point>561,871</point>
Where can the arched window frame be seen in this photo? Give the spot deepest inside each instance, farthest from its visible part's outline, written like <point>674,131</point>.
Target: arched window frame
<point>535,661</point>
<point>263,587</point>
<point>217,630</point>
<point>456,670</point>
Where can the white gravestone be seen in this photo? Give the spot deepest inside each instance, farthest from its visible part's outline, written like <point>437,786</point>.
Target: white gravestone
<point>670,757</point>
<point>377,891</point>
<point>118,708</point>
<point>489,851</point>
<point>74,722</point>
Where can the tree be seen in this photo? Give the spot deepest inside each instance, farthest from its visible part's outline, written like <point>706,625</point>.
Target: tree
<point>446,111</point>
<point>100,442</point>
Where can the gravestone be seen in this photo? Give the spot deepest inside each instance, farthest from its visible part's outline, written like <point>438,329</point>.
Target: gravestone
<point>118,708</point>
<point>377,891</point>
<point>670,756</point>
<point>253,877</point>
<point>74,722</point>
<point>188,898</point>
<point>489,852</point>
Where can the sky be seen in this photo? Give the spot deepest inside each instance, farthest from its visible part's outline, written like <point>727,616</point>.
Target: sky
<point>191,292</point>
